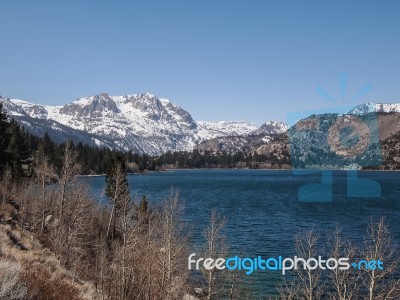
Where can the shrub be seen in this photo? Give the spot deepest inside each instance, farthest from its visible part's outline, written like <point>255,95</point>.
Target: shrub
<point>44,285</point>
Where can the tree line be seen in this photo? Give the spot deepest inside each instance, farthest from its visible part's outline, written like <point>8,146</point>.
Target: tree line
<point>21,152</point>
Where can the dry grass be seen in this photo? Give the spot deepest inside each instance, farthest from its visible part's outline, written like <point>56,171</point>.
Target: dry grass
<point>43,283</point>
<point>34,270</point>
<point>11,285</point>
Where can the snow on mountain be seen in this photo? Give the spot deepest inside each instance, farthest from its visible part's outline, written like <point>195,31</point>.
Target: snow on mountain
<point>144,123</point>
<point>11,108</point>
<point>388,107</point>
<point>375,107</point>
<point>140,122</point>
<point>209,130</point>
<point>271,127</point>
<point>244,140</point>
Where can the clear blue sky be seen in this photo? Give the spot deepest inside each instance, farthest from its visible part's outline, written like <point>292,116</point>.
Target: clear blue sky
<point>220,60</point>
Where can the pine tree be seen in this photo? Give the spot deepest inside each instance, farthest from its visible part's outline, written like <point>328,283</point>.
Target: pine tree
<point>3,139</point>
<point>142,211</point>
<point>18,152</point>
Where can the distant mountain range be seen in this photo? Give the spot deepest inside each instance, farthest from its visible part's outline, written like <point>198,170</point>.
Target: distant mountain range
<point>375,107</point>
<point>144,123</point>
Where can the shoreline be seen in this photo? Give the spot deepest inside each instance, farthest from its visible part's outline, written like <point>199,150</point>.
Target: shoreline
<point>236,169</point>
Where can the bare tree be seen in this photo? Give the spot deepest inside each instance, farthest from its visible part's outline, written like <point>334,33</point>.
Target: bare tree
<point>7,184</point>
<point>145,260</point>
<point>70,168</point>
<point>374,278</point>
<point>118,230</point>
<point>173,238</point>
<point>118,194</point>
<point>215,248</point>
<point>144,251</point>
<point>74,231</point>
<point>379,247</point>
<point>346,284</point>
<point>233,282</point>
<point>307,283</point>
<point>127,227</point>
<point>44,171</point>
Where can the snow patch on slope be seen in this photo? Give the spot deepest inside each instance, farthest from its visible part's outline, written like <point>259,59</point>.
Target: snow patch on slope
<point>141,122</point>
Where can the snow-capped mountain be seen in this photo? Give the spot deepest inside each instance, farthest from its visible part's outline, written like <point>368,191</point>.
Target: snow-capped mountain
<point>375,107</point>
<point>244,142</point>
<point>142,123</point>
<point>57,131</point>
<point>11,108</point>
<point>271,127</point>
<point>210,130</point>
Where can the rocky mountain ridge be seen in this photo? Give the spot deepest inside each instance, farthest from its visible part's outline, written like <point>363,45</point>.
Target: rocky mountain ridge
<point>147,124</point>
<point>142,123</point>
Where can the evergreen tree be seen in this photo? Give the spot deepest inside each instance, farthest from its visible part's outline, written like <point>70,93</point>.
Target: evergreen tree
<point>14,150</point>
<point>142,211</point>
<point>17,150</point>
<point>3,139</point>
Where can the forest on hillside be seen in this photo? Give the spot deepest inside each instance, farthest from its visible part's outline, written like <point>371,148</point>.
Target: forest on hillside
<point>22,151</point>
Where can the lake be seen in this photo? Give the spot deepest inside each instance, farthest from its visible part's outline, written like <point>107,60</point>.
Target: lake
<point>262,210</point>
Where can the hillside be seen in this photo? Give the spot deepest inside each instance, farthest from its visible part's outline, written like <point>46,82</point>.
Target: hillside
<point>310,148</point>
<point>145,124</point>
<point>28,269</point>
<point>142,123</point>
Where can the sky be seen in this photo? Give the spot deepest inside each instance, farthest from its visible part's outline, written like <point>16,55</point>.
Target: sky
<point>219,60</point>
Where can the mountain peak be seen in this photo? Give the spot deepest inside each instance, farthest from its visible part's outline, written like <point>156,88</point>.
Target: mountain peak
<point>11,108</point>
<point>369,107</point>
<point>144,123</point>
<point>141,122</point>
<point>103,95</point>
<point>271,127</point>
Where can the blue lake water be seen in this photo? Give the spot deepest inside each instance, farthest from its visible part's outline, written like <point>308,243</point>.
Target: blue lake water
<point>262,210</point>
